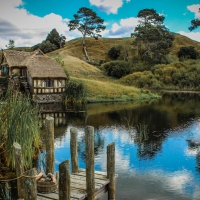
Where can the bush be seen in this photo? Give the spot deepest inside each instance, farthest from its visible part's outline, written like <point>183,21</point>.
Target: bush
<point>144,79</point>
<point>117,69</point>
<point>188,53</point>
<point>114,53</point>
<point>75,92</point>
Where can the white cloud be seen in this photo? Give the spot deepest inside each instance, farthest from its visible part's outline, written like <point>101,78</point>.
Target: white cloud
<point>191,152</point>
<point>174,182</point>
<point>27,29</point>
<point>108,6</point>
<point>192,35</point>
<point>124,28</point>
<point>194,8</point>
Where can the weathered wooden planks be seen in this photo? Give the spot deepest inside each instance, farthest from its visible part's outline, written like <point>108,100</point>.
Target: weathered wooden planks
<point>78,186</point>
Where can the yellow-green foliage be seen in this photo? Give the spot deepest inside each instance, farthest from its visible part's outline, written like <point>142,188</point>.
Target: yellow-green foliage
<point>19,123</point>
<point>177,75</point>
<point>144,79</point>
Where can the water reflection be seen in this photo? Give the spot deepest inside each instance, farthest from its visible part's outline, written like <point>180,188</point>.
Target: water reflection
<point>163,165</point>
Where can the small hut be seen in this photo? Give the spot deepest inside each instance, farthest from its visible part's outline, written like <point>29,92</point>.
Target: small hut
<point>44,77</point>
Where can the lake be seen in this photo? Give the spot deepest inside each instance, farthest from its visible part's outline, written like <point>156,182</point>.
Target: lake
<point>163,164</point>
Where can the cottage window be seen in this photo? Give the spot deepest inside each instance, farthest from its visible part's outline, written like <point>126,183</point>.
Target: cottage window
<point>4,69</point>
<point>49,83</point>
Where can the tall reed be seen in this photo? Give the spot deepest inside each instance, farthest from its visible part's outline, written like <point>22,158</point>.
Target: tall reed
<point>19,123</point>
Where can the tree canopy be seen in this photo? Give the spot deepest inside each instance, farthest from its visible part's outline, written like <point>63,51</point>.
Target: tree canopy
<point>53,41</point>
<point>11,44</point>
<point>88,23</point>
<point>153,39</point>
<point>195,23</point>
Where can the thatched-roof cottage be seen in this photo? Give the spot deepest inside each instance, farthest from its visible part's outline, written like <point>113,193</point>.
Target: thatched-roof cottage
<point>45,77</point>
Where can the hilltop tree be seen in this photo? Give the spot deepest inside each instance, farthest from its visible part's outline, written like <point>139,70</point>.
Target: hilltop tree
<point>53,41</point>
<point>88,23</point>
<point>11,44</point>
<point>56,39</point>
<point>195,23</point>
<point>153,39</point>
<point>62,39</point>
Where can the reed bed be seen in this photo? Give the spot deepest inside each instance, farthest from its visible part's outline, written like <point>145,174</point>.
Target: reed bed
<point>19,122</point>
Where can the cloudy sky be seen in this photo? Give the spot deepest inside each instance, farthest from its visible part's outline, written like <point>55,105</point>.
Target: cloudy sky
<point>28,22</point>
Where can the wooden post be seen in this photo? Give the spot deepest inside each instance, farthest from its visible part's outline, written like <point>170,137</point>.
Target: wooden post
<point>30,186</point>
<point>49,128</point>
<point>73,149</point>
<point>64,180</point>
<point>19,167</point>
<point>111,170</point>
<point>90,182</point>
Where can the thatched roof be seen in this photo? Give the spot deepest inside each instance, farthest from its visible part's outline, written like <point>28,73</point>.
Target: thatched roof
<point>38,64</point>
<point>15,58</point>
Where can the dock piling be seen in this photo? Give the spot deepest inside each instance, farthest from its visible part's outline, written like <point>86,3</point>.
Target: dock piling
<point>111,170</point>
<point>73,149</point>
<point>49,130</point>
<point>19,167</point>
<point>30,185</point>
<point>64,180</point>
<point>90,183</point>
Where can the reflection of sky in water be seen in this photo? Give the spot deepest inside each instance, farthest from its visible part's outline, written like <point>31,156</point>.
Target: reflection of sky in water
<point>170,174</point>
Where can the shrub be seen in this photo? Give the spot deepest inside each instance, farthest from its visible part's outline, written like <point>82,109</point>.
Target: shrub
<point>144,79</point>
<point>75,92</point>
<point>117,69</point>
<point>114,53</point>
<point>188,53</point>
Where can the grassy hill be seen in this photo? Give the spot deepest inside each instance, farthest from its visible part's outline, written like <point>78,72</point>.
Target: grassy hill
<point>98,49</point>
<point>99,86</point>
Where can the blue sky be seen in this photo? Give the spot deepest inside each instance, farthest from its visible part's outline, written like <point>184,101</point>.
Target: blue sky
<point>28,22</point>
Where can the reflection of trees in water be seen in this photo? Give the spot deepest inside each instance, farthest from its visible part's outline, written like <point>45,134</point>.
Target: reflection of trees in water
<point>168,113</point>
<point>198,161</point>
<point>114,116</point>
<point>195,146</point>
<point>164,115</point>
<point>148,145</point>
<point>149,149</point>
<point>150,125</point>
<point>99,142</point>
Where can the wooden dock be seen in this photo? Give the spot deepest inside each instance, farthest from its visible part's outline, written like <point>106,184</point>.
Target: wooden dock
<point>78,186</point>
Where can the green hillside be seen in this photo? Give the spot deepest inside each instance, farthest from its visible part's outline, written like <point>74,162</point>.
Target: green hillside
<point>99,86</point>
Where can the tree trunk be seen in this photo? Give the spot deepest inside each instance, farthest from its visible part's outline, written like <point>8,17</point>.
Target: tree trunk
<point>84,48</point>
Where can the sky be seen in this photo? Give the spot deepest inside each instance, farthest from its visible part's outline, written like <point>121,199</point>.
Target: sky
<point>28,22</point>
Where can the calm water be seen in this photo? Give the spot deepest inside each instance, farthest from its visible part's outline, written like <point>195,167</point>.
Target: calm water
<point>165,166</point>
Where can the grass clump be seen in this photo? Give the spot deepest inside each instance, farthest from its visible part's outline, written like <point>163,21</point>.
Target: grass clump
<point>19,123</point>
